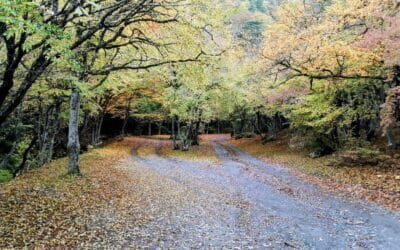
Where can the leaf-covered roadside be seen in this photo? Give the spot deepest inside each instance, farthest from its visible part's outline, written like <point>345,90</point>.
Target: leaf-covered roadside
<point>163,146</point>
<point>376,184</point>
<point>48,208</point>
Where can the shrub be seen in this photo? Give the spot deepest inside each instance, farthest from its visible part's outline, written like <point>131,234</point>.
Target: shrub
<point>359,157</point>
<point>5,175</point>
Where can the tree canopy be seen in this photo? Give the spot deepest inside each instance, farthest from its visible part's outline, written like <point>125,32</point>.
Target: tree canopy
<point>327,70</point>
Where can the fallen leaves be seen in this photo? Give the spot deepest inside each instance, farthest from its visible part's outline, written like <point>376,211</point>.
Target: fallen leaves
<point>162,146</point>
<point>46,207</point>
<point>377,184</point>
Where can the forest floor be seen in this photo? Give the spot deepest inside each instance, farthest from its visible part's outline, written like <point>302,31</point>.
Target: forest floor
<point>378,183</point>
<point>137,193</point>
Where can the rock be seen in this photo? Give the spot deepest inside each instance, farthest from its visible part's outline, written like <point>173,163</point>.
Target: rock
<point>314,155</point>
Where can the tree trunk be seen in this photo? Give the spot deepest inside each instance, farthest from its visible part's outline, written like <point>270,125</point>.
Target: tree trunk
<point>126,117</point>
<point>96,133</point>
<point>195,134</point>
<point>149,129</point>
<point>24,158</point>
<point>73,133</point>
<point>44,127</point>
<point>55,126</point>
<point>44,145</point>
<point>173,133</point>
<point>99,126</point>
<point>36,70</point>
<point>172,127</point>
<point>185,135</point>
<point>55,7</point>
<point>390,139</point>
<point>84,127</point>
<point>5,159</point>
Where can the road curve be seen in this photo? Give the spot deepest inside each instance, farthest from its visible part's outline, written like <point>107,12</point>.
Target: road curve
<point>245,203</point>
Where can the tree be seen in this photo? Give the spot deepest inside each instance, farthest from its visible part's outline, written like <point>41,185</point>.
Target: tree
<point>90,40</point>
<point>318,71</point>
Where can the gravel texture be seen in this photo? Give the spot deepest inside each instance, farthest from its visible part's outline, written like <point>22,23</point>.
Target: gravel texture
<point>243,203</point>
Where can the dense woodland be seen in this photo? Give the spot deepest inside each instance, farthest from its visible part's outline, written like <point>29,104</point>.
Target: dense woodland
<point>75,73</point>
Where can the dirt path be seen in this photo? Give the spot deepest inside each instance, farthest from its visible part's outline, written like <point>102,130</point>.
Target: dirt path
<point>245,203</point>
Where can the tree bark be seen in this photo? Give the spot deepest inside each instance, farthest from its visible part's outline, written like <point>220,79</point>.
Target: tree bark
<point>126,117</point>
<point>7,107</point>
<point>96,133</point>
<point>99,126</point>
<point>185,137</point>
<point>390,139</point>
<point>24,158</point>
<point>149,129</point>
<point>44,127</point>
<point>195,134</point>
<point>55,126</point>
<point>174,142</point>
<point>6,158</point>
<point>55,7</point>
<point>73,133</point>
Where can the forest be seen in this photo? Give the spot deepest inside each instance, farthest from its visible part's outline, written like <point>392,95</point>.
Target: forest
<point>80,75</point>
<point>328,70</point>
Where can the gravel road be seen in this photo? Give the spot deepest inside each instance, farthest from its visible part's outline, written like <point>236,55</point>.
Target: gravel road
<point>244,203</point>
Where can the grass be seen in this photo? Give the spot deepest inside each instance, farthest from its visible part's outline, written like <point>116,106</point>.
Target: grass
<point>373,183</point>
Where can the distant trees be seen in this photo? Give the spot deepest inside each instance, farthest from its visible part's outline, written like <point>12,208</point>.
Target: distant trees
<point>67,49</point>
<point>328,68</point>
<point>257,5</point>
<point>188,99</point>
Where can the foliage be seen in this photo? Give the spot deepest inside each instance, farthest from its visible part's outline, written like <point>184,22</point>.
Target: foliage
<point>54,49</point>
<point>327,69</point>
<point>328,64</point>
<point>257,5</point>
<point>388,112</point>
<point>5,176</point>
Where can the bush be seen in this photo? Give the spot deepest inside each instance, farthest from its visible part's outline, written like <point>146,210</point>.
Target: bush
<point>319,147</point>
<point>269,138</point>
<point>5,175</point>
<point>248,135</point>
<point>359,157</point>
<point>298,142</point>
<point>238,136</point>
